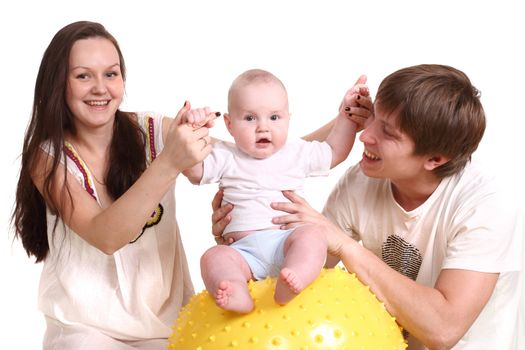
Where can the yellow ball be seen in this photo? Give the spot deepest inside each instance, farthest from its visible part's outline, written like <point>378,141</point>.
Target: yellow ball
<point>335,312</point>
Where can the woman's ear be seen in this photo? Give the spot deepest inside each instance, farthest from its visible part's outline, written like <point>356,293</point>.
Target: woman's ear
<point>435,161</point>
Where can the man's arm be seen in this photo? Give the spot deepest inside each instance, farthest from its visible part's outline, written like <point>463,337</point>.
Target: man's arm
<point>439,316</point>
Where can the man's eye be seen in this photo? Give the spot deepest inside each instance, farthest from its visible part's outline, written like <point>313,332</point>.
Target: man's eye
<point>388,133</point>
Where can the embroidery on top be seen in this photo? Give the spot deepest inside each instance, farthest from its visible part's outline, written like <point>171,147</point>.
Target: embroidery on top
<point>156,216</point>
<point>402,256</point>
<point>150,138</point>
<point>154,220</point>
<point>88,183</point>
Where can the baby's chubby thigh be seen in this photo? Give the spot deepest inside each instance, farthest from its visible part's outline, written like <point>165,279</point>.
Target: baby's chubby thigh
<point>223,262</point>
<point>307,239</point>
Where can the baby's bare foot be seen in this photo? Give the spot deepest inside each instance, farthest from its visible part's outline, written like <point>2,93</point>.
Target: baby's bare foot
<point>288,286</point>
<point>233,297</point>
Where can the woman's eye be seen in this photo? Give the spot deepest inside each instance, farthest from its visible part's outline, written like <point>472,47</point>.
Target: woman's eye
<point>82,76</point>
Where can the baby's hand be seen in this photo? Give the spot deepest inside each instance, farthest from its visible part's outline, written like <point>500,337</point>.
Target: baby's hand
<point>200,117</point>
<point>357,104</point>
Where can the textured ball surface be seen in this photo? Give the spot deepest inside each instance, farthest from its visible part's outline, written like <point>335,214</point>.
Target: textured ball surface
<point>335,312</point>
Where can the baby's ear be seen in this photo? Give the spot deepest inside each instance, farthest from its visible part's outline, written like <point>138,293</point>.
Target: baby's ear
<point>227,122</point>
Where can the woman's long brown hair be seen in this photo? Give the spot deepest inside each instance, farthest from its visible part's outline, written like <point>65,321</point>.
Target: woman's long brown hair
<point>50,119</point>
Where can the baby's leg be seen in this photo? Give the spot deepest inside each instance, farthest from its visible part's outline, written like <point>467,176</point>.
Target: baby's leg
<point>305,255</point>
<point>225,273</point>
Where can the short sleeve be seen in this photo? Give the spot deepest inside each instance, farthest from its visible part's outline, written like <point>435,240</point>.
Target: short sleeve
<point>487,235</point>
<point>216,163</point>
<point>338,206</point>
<point>151,124</point>
<point>319,157</point>
<point>71,166</point>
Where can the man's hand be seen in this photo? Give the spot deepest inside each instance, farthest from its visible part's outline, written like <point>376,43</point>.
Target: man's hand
<point>220,217</point>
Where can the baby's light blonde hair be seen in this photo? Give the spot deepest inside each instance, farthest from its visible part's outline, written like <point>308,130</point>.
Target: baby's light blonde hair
<point>251,76</point>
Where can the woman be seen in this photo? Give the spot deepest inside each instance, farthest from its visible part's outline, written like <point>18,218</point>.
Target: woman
<point>95,200</point>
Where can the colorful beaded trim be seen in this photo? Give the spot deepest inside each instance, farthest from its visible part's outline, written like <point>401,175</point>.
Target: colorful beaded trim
<point>88,182</point>
<point>150,138</point>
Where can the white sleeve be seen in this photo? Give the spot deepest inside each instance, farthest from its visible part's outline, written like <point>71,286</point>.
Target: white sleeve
<point>486,234</point>
<point>338,207</point>
<point>151,124</point>
<point>319,158</point>
<point>215,164</point>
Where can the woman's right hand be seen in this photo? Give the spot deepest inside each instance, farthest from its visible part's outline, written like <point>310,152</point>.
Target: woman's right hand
<point>184,145</point>
<point>220,217</point>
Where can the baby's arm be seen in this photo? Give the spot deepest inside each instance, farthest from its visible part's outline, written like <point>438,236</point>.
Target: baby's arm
<point>342,135</point>
<point>200,117</point>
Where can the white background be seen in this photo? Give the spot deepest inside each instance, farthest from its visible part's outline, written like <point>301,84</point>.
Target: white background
<point>193,51</point>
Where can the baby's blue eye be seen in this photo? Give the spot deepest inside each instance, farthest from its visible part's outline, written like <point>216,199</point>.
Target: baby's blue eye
<point>274,117</point>
<point>249,118</point>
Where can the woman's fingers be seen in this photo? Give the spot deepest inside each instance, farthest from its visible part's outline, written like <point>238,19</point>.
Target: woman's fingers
<point>179,117</point>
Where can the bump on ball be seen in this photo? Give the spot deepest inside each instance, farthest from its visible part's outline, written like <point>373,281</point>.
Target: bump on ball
<point>335,312</point>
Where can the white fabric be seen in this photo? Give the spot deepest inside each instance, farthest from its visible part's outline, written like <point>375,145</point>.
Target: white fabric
<point>134,294</point>
<point>78,337</point>
<point>252,184</point>
<point>467,223</point>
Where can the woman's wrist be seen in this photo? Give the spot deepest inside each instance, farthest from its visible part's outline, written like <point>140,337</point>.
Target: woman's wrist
<point>165,168</point>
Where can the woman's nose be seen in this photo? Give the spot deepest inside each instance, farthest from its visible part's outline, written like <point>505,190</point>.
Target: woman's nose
<point>99,86</point>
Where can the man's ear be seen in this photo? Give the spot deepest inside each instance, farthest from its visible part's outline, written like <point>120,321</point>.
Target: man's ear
<point>435,161</point>
<point>228,122</point>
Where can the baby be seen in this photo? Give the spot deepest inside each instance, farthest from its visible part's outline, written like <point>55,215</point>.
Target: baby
<point>253,173</point>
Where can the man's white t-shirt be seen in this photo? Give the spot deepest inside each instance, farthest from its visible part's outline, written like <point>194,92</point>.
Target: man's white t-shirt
<point>467,223</point>
<point>251,184</point>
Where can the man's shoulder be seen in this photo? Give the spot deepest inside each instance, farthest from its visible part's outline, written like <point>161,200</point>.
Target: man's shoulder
<point>475,177</point>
